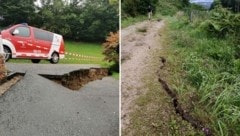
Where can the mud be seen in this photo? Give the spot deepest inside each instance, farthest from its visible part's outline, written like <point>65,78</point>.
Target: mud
<point>197,124</point>
<point>76,79</point>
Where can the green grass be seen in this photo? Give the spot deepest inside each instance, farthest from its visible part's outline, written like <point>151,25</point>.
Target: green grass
<point>86,49</point>
<point>115,75</point>
<point>82,48</point>
<point>210,71</point>
<point>132,20</point>
<point>90,49</point>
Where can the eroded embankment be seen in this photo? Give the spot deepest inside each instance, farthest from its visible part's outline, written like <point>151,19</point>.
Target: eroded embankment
<point>196,123</point>
<point>10,80</point>
<point>76,79</point>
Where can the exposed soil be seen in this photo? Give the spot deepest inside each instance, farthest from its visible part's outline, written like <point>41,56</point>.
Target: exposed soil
<point>76,79</point>
<point>7,82</point>
<point>137,41</point>
<point>178,108</point>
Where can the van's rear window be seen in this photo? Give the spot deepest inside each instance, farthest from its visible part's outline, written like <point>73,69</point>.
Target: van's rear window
<point>42,35</point>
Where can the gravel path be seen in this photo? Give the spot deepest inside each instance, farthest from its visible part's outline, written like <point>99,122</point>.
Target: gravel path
<point>36,106</point>
<point>136,48</point>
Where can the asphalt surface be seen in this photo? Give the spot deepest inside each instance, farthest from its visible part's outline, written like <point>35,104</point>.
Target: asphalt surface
<point>53,69</point>
<point>36,106</point>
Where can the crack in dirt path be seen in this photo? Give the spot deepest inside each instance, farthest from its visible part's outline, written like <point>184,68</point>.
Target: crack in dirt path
<point>137,41</point>
<point>197,124</point>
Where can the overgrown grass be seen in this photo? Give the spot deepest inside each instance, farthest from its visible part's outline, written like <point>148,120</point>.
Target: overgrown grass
<point>127,21</point>
<point>210,72</point>
<point>115,75</point>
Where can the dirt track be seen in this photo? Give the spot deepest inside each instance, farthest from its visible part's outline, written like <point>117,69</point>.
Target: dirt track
<point>137,42</point>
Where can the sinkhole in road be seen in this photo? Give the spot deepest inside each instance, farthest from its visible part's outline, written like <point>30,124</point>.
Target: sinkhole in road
<point>76,79</point>
<point>10,80</point>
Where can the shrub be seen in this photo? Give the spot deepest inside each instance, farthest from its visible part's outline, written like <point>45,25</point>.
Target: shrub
<point>111,49</point>
<point>2,68</point>
<point>222,22</point>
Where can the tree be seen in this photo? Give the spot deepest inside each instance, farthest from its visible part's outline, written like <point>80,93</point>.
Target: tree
<point>87,20</point>
<point>16,11</point>
<point>137,7</point>
<point>99,19</point>
<point>233,4</point>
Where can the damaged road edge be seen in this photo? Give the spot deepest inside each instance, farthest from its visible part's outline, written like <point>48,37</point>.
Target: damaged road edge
<point>7,82</point>
<point>76,79</point>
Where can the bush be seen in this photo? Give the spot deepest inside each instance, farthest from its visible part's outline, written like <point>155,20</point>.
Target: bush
<point>3,70</point>
<point>221,23</point>
<point>111,49</point>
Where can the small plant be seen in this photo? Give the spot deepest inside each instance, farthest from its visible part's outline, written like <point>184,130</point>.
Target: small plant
<point>111,49</point>
<point>3,70</point>
<point>142,30</point>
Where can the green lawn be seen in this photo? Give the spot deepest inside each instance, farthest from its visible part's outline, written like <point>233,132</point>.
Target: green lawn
<point>86,51</point>
<point>81,53</point>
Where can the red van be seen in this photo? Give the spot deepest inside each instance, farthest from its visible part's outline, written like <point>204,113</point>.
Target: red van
<point>23,41</point>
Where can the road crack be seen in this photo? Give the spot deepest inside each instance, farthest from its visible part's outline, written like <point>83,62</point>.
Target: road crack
<point>197,124</point>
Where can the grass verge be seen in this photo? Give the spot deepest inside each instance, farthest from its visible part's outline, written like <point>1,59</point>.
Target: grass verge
<point>208,77</point>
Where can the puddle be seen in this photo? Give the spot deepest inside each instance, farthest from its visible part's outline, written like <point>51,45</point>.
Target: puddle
<point>76,79</point>
<point>7,82</point>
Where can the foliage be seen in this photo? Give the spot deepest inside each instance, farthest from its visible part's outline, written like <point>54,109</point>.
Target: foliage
<point>89,20</point>
<point>211,67</point>
<point>168,7</point>
<point>111,48</point>
<point>222,22</point>
<point>133,8</point>
<point>137,7</point>
<point>233,4</point>
<point>3,70</point>
<point>16,11</point>
<point>127,21</point>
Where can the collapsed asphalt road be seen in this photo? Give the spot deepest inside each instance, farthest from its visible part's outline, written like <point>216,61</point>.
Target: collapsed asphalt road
<point>36,106</point>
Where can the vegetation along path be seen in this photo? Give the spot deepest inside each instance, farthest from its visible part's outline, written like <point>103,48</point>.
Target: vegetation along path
<point>147,109</point>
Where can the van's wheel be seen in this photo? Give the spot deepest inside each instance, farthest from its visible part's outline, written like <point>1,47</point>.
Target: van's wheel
<point>35,60</point>
<point>7,52</point>
<point>55,58</point>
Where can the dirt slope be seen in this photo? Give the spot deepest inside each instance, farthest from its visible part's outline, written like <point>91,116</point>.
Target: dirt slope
<point>137,42</point>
